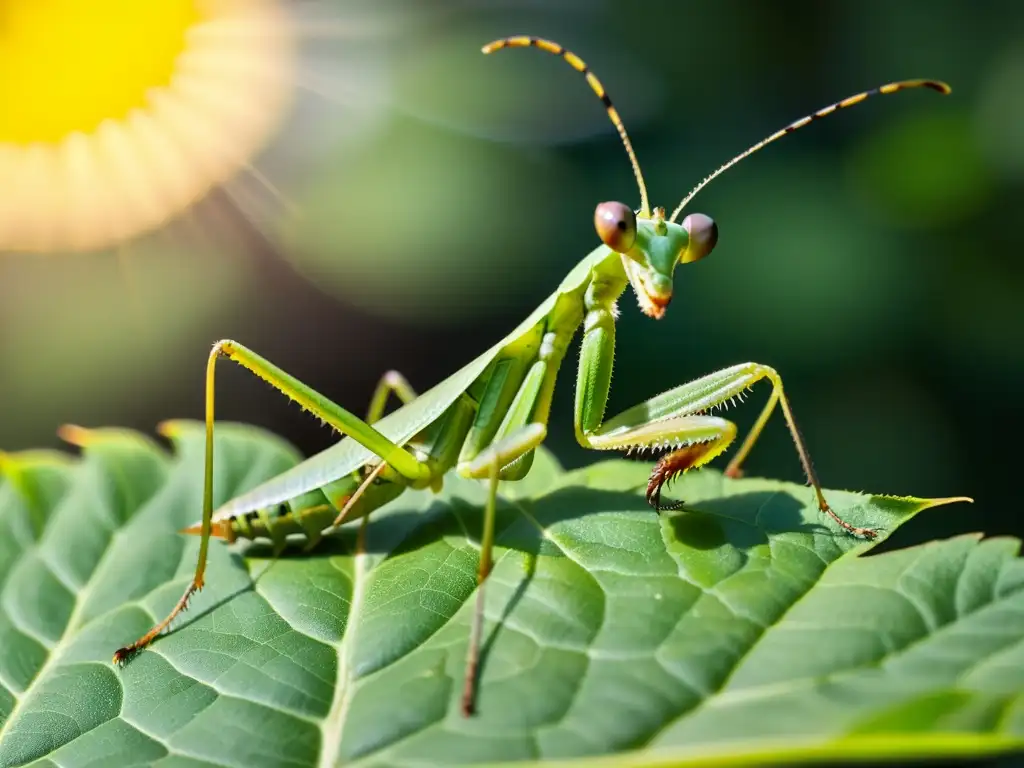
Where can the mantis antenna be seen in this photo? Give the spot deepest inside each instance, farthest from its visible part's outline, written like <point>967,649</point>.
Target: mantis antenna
<point>935,85</point>
<point>574,61</point>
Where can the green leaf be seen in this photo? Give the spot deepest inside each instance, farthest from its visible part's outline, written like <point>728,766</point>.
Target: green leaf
<point>743,629</point>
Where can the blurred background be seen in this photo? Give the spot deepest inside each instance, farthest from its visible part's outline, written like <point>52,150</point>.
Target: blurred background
<point>349,187</point>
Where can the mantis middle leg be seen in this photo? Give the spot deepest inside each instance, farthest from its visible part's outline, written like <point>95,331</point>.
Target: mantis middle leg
<point>520,429</point>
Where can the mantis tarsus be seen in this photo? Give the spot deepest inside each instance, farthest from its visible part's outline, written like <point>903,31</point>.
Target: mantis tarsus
<point>486,419</point>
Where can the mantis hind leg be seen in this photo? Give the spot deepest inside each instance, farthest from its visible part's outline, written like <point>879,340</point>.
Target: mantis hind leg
<point>395,457</point>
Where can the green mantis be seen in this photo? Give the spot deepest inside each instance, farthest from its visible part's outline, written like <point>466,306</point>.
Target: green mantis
<point>485,420</point>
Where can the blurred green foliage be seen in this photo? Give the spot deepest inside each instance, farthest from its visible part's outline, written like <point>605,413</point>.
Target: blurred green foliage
<point>434,196</point>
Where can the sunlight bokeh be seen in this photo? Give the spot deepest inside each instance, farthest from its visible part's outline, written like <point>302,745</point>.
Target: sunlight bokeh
<point>350,186</point>
<point>117,115</point>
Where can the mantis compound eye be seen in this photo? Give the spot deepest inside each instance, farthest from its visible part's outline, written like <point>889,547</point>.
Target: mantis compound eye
<point>703,234</point>
<point>616,226</point>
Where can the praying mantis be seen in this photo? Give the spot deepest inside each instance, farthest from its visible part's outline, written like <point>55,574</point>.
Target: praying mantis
<point>486,420</point>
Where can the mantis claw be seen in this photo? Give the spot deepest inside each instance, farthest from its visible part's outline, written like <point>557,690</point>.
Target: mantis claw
<point>670,466</point>
<point>868,534</point>
<point>654,488</point>
<point>123,655</point>
<point>654,498</point>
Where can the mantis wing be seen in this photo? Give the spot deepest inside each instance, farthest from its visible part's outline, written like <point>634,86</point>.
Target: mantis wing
<point>400,426</point>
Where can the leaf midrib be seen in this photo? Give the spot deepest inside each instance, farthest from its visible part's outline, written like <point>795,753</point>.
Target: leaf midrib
<point>333,727</point>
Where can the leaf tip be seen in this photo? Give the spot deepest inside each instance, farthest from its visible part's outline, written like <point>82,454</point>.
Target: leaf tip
<point>171,428</point>
<point>929,503</point>
<point>922,504</point>
<point>75,435</point>
<point>12,465</point>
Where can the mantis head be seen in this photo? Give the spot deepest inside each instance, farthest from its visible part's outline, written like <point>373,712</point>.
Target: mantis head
<point>652,247</point>
<point>650,244</point>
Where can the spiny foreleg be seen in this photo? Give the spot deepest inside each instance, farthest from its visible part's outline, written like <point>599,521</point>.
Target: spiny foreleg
<point>678,420</point>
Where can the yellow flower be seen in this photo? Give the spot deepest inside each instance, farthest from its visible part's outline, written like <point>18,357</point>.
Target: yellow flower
<point>117,115</point>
